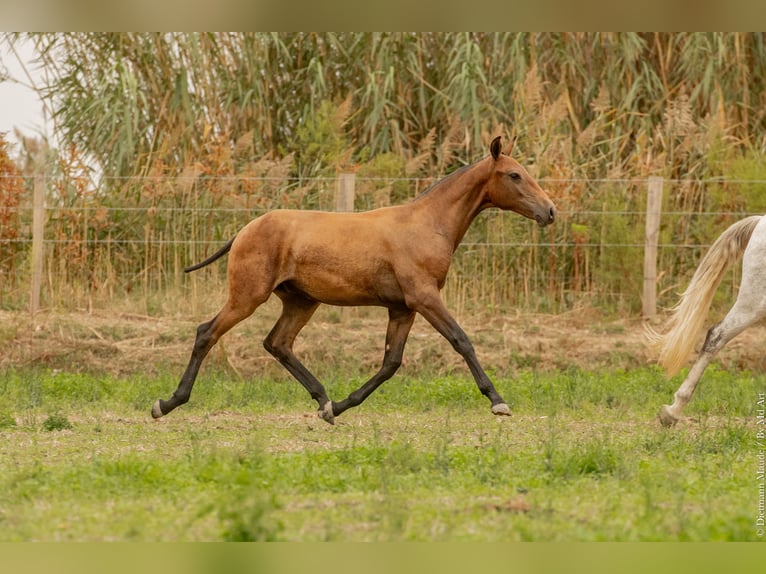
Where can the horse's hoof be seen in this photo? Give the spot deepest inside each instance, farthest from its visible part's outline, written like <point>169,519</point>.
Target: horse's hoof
<point>326,414</point>
<point>667,418</point>
<point>501,409</point>
<point>156,410</point>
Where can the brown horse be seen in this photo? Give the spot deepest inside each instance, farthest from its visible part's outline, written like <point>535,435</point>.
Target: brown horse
<point>395,257</point>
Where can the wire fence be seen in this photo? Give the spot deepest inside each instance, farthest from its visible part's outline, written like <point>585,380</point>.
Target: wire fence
<point>127,240</point>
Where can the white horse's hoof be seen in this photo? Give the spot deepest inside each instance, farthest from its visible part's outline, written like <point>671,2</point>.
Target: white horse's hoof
<point>326,413</point>
<point>667,418</point>
<point>501,409</point>
<point>156,410</point>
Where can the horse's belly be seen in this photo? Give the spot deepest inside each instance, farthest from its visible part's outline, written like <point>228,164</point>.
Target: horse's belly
<point>348,286</point>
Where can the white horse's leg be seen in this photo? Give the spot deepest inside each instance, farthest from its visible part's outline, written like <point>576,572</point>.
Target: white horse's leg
<point>739,318</point>
<point>749,308</point>
<point>671,414</point>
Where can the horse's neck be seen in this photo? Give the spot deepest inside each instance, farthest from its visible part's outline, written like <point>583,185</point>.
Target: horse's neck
<point>455,202</point>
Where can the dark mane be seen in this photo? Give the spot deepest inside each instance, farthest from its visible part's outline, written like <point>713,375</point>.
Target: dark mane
<point>455,173</point>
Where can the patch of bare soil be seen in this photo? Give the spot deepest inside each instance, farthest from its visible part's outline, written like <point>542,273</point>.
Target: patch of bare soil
<point>123,343</point>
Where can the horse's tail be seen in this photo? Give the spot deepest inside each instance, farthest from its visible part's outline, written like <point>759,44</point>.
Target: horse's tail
<point>220,253</point>
<point>689,314</point>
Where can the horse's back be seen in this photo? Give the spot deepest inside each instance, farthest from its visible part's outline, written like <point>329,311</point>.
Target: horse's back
<point>336,258</point>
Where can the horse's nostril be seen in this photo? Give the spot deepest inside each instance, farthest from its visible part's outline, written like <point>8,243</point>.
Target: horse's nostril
<point>552,214</point>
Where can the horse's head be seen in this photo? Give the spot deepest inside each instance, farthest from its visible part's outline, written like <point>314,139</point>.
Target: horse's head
<point>511,187</point>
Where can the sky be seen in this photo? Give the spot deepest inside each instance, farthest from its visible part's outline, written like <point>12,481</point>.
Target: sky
<point>19,105</point>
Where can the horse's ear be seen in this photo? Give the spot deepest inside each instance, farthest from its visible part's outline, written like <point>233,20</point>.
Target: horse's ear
<point>509,148</point>
<point>495,148</point>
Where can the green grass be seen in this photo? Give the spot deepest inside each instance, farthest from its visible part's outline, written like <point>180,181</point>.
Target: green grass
<point>582,458</point>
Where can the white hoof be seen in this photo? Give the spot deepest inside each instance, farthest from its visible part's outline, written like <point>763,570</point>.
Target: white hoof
<point>156,411</point>
<point>501,409</point>
<point>667,418</point>
<point>326,413</point>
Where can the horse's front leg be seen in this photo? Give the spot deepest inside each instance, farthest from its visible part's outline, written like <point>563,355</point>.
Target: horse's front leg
<point>399,324</point>
<point>434,311</point>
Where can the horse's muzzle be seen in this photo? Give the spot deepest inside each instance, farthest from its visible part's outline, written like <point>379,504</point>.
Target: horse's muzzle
<point>546,218</point>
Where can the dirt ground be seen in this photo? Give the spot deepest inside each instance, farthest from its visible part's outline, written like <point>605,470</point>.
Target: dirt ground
<point>350,339</point>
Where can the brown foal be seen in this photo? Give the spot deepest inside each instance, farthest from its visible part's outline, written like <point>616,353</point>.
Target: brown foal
<point>395,257</point>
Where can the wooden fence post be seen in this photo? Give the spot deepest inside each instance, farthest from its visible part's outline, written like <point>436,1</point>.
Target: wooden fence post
<point>38,230</point>
<point>345,192</point>
<point>653,210</point>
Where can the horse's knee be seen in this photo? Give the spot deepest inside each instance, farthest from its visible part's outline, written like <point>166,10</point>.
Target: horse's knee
<point>268,344</point>
<point>275,349</point>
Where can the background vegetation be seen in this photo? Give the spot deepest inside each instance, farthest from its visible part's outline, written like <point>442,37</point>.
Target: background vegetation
<point>165,143</point>
<point>587,104</point>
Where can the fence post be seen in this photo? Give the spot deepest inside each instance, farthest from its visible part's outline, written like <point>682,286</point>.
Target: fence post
<point>38,230</point>
<point>345,192</point>
<point>653,209</point>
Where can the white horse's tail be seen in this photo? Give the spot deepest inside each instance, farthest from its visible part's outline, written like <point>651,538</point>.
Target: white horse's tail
<point>689,314</point>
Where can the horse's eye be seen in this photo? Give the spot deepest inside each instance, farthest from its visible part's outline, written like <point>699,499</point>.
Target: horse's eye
<point>514,176</point>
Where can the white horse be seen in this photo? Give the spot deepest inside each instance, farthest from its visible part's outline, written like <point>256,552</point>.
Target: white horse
<point>747,237</point>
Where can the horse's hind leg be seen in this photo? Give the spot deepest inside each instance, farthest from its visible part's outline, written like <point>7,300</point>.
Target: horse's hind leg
<point>739,318</point>
<point>399,325</point>
<point>207,336</point>
<point>296,312</point>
